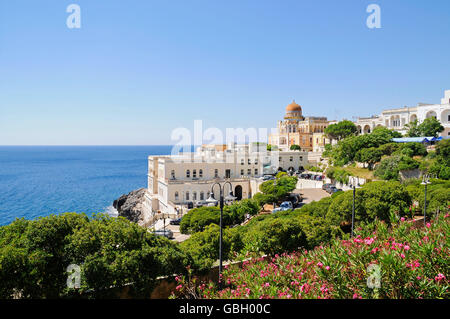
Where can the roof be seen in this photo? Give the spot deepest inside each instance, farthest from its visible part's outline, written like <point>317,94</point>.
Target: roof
<point>413,139</point>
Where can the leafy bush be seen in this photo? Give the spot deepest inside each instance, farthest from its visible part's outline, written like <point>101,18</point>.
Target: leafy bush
<point>111,252</point>
<point>197,219</point>
<point>389,167</point>
<point>338,174</point>
<point>203,247</point>
<point>409,263</point>
<point>374,200</point>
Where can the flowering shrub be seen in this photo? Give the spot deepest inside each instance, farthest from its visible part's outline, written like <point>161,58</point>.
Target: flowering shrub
<point>380,262</point>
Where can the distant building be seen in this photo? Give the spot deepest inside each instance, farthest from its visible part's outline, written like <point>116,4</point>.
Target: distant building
<point>397,118</point>
<point>296,129</point>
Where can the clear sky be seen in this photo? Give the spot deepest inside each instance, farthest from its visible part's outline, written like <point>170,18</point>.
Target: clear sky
<point>138,69</point>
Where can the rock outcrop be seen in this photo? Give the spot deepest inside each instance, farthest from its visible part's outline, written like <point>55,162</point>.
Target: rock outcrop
<point>131,206</point>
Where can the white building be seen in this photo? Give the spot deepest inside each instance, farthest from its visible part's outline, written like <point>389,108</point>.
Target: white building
<point>174,181</point>
<point>397,118</point>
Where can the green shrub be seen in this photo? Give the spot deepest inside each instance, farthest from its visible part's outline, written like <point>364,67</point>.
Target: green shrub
<point>111,252</point>
<point>374,200</point>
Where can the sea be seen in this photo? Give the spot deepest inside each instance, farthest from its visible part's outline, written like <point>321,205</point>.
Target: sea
<point>42,180</point>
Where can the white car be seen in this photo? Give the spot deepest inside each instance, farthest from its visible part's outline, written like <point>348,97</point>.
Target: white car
<point>283,207</point>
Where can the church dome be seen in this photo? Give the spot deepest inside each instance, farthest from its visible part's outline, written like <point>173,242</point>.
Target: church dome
<point>293,107</point>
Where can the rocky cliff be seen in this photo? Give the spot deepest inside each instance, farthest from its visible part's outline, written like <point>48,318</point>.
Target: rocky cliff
<point>132,206</point>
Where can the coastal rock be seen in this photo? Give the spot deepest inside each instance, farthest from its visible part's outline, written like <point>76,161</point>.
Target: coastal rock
<point>131,206</point>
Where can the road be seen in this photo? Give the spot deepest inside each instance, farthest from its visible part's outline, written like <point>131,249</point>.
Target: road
<point>178,237</point>
<point>312,194</point>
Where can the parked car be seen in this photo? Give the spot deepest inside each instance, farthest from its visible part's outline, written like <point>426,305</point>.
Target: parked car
<point>175,221</point>
<point>268,177</point>
<point>335,190</point>
<point>326,186</point>
<point>295,199</point>
<point>283,207</point>
<point>166,233</point>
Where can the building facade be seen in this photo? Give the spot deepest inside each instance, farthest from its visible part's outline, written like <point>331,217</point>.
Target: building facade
<point>175,181</point>
<point>397,118</point>
<point>295,129</point>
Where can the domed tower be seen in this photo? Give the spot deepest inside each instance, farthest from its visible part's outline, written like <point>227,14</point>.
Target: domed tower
<point>294,112</point>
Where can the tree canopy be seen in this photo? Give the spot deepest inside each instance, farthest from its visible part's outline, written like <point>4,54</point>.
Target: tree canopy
<point>429,127</point>
<point>111,252</point>
<point>341,130</point>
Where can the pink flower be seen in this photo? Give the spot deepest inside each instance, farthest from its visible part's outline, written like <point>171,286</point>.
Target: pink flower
<point>402,256</point>
<point>428,225</point>
<point>356,296</point>
<point>402,219</point>
<point>179,287</point>
<point>406,247</point>
<point>266,284</point>
<point>327,267</point>
<point>319,264</point>
<point>439,277</point>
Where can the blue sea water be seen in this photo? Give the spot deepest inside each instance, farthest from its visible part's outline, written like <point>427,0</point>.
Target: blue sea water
<point>41,180</point>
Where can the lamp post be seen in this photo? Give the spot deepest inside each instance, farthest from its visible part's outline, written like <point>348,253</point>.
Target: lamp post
<point>353,185</point>
<point>425,181</point>
<point>212,200</point>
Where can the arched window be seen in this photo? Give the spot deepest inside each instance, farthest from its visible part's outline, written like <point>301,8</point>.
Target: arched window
<point>200,173</point>
<point>194,173</point>
<point>202,196</point>
<point>194,196</point>
<point>188,174</point>
<point>187,195</point>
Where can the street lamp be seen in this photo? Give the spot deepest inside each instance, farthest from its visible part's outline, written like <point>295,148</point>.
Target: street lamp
<point>353,185</point>
<point>212,200</point>
<point>425,181</point>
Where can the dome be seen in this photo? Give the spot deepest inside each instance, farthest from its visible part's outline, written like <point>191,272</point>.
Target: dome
<point>293,107</point>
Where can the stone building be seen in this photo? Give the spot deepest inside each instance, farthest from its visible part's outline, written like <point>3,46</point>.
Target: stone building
<point>296,129</point>
<point>397,118</point>
<point>177,180</point>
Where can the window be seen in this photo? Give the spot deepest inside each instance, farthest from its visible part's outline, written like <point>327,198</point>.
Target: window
<point>291,158</point>
<point>301,158</point>
<point>242,161</point>
<point>194,173</point>
<point>256,161</point>
<point>279,159</point>
<point>194,196</point>
<point>172,174</point>
<point>176,195</point>
<point>216,173</point>
<point>202,196</point>
<point>242,172</point>
<point>228,173</point>
<point>187,195</point>
<point>256,171</point>
<point>200,173</point>
<point>188,174</point>
<point>249,171</point>
<point>249,161</point>
<point>448,118</point>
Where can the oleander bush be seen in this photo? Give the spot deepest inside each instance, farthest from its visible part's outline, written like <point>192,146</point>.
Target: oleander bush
<point>397,262</point>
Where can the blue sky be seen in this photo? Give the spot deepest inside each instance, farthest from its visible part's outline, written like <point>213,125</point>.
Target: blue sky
<point>138,69</point>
